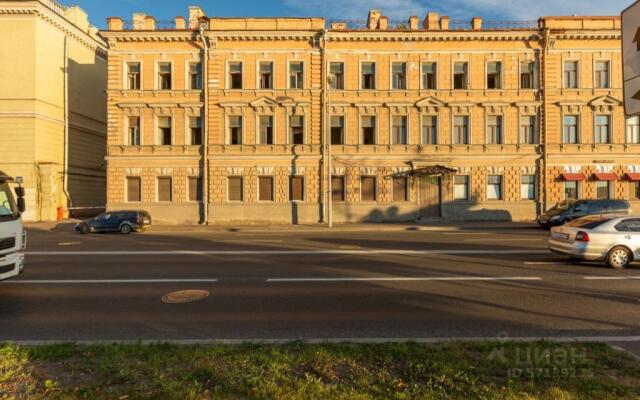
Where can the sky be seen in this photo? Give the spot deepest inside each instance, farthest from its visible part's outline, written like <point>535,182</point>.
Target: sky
<point>99,10</point>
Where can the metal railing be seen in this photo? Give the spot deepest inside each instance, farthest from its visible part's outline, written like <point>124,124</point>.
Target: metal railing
<point>55,6</point>
<point>396,24</point>
<point>160,24</point>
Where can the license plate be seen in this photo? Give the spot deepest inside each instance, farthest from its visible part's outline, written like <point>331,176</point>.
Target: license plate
<point>561,236</point>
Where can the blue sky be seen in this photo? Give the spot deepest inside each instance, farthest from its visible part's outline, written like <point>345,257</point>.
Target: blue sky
<point>351,9</point>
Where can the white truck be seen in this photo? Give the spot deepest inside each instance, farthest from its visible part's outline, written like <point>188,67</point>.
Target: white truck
<point>13,239</point>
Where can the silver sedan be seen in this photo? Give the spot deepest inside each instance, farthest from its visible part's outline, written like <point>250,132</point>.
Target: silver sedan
<point>613,239</point>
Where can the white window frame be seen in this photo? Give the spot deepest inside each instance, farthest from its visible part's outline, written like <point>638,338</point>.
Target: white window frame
<point>468,188</point>
<point>187,77</point>
<point>536,127</point>
<point>126,189</point>
<point>242,189</point>
<point>609,133</point>
<point>535,187</point>
<point>564,81</point>
<point>376,191</point>
<point>486,128</point>
<point>361,133</point>
<point>421,139</point>
<point>375,76</point>
<point>502,194</point>
<point>258,77</point>
<point>406,75</point>
<point>626,130</point>
<point>595,79</point>
<point>468,74</point>
<point>273,189</point>
<point>158,140</point>
<point>534,78</point>
<point>273,127</point>
<point>125,81</point>
<point>158,189</point>
<point>344,73</point>
<point>436,63</point>
<point>578,126</point>
<point>304,188</point>
<point>227,73</point>
<point>578,190</point>
<point>344,128</point>
<point>187,129</point>
<point>407,127</point>
<point>469,125</point>
<point>486,74</point>
<point>290,130</point>
<point>610,189</point>
<point>304,74</point>
<point>127,140</point>
<point>198,184</point>
<point>156,76</point>
<point>227,129</point>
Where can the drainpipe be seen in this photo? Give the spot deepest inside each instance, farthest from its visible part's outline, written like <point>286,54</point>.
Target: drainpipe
<point>205,130</point>
<point>544,136</point>
<point>327,130</point>
<point>325,147</point>
<point>65,168</point>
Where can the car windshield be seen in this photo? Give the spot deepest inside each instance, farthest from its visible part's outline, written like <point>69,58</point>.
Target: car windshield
<point>8,208</point>
<point>560,207</point>
<point>588,222</point>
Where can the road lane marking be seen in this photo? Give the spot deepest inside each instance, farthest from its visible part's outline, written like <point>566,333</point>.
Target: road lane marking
<point>505,240</point>
<point>546,262</point>
<point>277,252</point>
<point>408,279</point>
<point>87,281</point>
<point>611,278</point>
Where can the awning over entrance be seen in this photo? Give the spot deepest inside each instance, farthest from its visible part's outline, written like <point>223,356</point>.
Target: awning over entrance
<point>433,170</point>
<point>574,177</point>
<point>605,176</point>
<point>633,176</point>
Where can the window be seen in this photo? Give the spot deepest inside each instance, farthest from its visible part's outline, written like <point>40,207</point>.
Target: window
<point>461,130</point>
<point>195,76</point>
<point>165,189</point>
<point>368,188</point>
<point>634,191</point>
<point>570,134</point>
<point>195,188</point>
<point>494,129</point>
<point>494,75</point>
<point>527,129</point>
<point>296,126</point>
<point>133,129</point>
<point>265,188</point>
<point>337,130</point>
<point>235,75</point>
<point>602,129</point>
<point>429,75</point>
<point>633,130</point>
<point>460,75</point>
<point>164,131</point>
<point>571,190</point>
<point>526,74</point>
<point>368,130</point>
<point>164,76</point>
<point>461,187</point>
<point>399,130</point>
<point>602,74</point>
<point>235,188</point>
<point>399,76</point>
<point>494,187</point>
<point>266,129</point>
<point>296,188</point>
<point>603,190</point>
<point>570,74</point>
<point>133,76</point>
<point>336,69</point>
<point>429,129</point>
<point>368,75</point>
<point>629,225</point>
<point>528,187</point>
<point>400,189</point>
<point>235,129</point>
<point>134,189</point>
<point>337,188</point>
<point>195,128</point>
<point>296,75</point>
<point>266,75</point>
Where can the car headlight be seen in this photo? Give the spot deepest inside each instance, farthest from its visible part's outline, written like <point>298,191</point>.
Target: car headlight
<point>555,218</point>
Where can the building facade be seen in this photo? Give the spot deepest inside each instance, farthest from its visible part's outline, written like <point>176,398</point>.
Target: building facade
<point>291,120</point>
<point>53,106</point>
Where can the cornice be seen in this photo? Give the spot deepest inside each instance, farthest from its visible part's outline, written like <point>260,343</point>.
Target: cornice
<point>443,36</point>
<point>589,35</point>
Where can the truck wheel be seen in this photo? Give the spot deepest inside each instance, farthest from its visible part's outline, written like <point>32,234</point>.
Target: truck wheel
<point>125,229</point>
<point>619,257</point>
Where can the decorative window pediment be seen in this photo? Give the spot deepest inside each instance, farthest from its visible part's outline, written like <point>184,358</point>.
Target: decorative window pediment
<point>604,103</point>
<point>429,104</point>
<point>264,104</point>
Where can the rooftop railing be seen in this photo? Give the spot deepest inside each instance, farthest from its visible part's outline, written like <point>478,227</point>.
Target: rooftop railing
<point>453,24</point>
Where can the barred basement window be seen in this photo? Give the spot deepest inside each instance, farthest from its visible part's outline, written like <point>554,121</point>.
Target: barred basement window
<point>494,187</point>
<point>337,130</point>
<point>400,189</point>
<point>265,188</point>
<point>195,128</point>
<point>164,76</point>
<point>296,127</point>
<point>195,188</point>
<point>266,75</point>
<point>134,131</point>
<point>336,69</point>
<point>368,75</point>
<point>133,76</point>
<point>368,124</point>
<point>460,80</point>
<point>429,75</point>
<point>337,188</point>
<point>235,75</point>
<point>165,189</point>
<point>235,188</point>
<point>195,76</point>
<point>461,187</point>
<point>164,131</point>
<point>134,189</point>
<point>296,188</point>
<point>399,130</point>
<point>399,75</point>
<point>296,75</point>
<point>235,129</point>
<point>494,75</point>
<point>266,129</point>
<point>368,188</point>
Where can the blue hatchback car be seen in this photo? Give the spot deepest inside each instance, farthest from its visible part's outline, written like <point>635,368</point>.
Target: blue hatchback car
<point>116,221</point>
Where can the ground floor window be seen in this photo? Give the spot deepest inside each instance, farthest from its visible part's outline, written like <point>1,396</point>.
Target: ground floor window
<point>296,188</point>
<point>265,188</point>
<point>603,190</point>
<point>461,187</point>
<point>400,189</point>
<point>634,191</point>
<point>368,188</point>
<point>134,189</point>
<point>528,187</point>
<point>571,190</point>
<point>494,187</point>
<point>235,188</point>
<point>195,188</point>
<point>165,192</point>
<point>337,188</point>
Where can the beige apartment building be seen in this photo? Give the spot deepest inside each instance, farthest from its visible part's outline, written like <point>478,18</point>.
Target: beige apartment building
<point>297,120</point>
<point>53,119</point>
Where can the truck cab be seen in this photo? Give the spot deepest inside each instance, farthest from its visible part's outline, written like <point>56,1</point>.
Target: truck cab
<point>13,239</point>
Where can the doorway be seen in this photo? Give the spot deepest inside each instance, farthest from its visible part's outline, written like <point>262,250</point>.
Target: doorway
<point>430,196</point>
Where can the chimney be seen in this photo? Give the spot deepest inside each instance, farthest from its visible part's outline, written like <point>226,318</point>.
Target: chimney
<point>476,23</point>
<point>431,21</point>
<point>444,23</point>
<point>138,21</point>
<point>195,13</point>
<point>338,26</point>
<point>149,23</point>
<point>115,23</point>
<point>413,22</point>
<point>180,23</point>
<point>372,19</point>
<point>383,23</point>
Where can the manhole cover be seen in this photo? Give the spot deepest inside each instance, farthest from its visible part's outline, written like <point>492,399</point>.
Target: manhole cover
<point>185,296</point>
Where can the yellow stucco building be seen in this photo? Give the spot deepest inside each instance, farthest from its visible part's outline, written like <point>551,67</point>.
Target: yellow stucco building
<point>53,66</point>
<point>298,120</point>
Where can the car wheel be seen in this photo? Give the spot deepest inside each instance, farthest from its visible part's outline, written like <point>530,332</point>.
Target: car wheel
<point>126,229</point>
<point>85,230</point>
<point>619,257</point>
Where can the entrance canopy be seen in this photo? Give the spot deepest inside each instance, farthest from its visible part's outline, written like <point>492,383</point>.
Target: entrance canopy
<point>631,176</point>
<point>605,176</point>
<point>433,170</point>
<point>574,177</point>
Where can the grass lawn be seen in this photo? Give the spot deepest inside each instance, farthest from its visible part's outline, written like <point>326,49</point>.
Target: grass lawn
<point>332,371</point>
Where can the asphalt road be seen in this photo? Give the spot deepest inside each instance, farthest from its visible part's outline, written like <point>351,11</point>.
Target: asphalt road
<point>315,285</point>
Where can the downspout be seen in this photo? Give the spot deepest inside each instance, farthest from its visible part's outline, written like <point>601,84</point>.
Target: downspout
<point>65,171</point>
<point>205,130</point>
<point>325,86</point>
<point>544,136</point>
<point>325,112</point>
